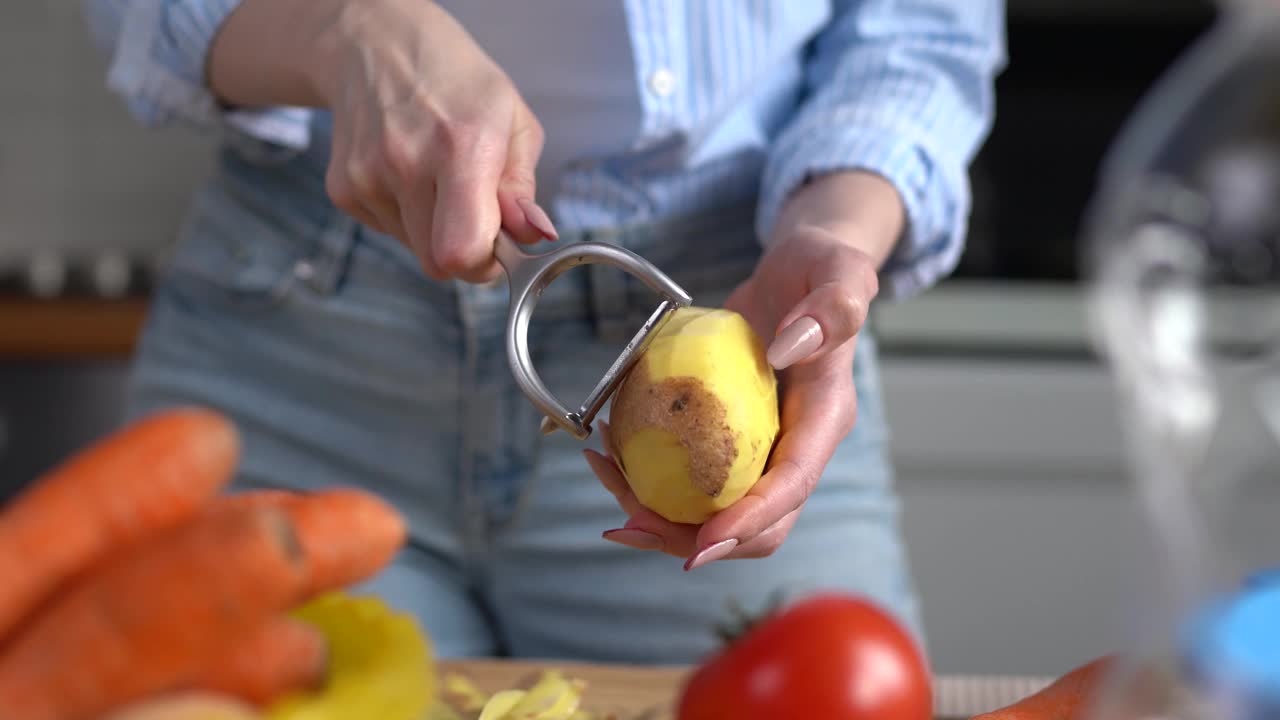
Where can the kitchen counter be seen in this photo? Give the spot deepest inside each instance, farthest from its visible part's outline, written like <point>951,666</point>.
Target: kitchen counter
<point>965,316</point>
<point>69,328</point>
<point>650,693</point>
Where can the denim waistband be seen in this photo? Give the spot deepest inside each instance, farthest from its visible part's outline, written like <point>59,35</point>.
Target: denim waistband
<point>706,253</point>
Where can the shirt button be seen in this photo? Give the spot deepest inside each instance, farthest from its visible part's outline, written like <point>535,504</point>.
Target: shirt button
<point>304,270</point>
<point>662,82</point>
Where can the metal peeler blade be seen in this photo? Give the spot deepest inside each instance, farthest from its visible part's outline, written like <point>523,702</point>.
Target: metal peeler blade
<point>528,275</point>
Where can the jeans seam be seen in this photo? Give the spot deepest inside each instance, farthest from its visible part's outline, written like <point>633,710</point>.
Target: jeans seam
<point>471,499</point>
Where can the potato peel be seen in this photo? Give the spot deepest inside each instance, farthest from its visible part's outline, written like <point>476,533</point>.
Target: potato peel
<point>552,697</point>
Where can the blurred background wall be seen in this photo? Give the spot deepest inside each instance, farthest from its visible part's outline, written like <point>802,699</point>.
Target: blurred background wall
<point>1024,539</point>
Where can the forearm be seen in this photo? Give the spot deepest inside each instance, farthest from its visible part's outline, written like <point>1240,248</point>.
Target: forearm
<point>903,91</point>
<point>273,52</point>
<point>861,208</point>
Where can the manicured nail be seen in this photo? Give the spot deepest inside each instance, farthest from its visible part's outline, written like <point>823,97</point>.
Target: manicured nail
<point>796,342</point>
<point>711,553</point>
<point>538,218</point>
<point>631,537</point>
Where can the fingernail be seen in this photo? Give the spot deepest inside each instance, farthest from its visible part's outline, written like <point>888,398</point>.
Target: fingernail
<point>796,342</point>
<point>711,553</point>
<point>538,218</point>
<point>631,537</point>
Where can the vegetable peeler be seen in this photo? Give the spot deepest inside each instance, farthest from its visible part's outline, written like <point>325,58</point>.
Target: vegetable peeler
<point>528,275</point>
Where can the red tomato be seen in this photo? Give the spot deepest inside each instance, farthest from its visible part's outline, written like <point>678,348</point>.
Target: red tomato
<point>828,657</point>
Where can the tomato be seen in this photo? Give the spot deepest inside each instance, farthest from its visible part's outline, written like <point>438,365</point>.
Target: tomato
<point>830,657</point>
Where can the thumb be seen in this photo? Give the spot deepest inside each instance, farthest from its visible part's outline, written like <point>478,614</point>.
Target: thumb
<point>522,217</point>
<point>830,315</point>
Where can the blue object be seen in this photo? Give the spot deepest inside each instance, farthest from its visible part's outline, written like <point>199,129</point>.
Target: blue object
<point>1270,576</point>
<point>1233,648</point>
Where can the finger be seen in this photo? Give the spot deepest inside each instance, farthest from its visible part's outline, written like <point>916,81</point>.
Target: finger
<point>832,313</point>
<point>353,185</point>
<point>767,542</point>
<point>817,413</point>
<point>388,218</point>
<point>745,301</point>
<point>341,181</point>
<point>634,538</point>
<point>416,216</point>
<point>379,216</point>
<point>467,217</point>
<point>523,218</point>
<point>675,539</point>
<point>609,476</point>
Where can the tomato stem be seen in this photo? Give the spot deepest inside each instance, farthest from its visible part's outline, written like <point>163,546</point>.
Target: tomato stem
<point>741,621</point>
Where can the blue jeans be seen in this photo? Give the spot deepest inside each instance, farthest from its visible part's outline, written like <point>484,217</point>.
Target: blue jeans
<point>343,364</point>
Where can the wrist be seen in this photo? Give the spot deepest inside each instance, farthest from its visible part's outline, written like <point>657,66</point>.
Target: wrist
<point>330,38</point>
<point>275,52</point>
<point>858,208</point>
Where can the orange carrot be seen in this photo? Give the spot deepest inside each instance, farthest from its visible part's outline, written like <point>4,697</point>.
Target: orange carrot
<point>280,656</point>
<point>189,705</point>
<point>347,535</point>
<point>137,482</point>
<point>146,621</point>
<point>1066,698</point>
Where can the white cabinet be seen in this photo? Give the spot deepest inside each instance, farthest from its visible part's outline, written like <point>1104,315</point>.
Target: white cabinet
<point>1029,550</point>
<point>78,177</point>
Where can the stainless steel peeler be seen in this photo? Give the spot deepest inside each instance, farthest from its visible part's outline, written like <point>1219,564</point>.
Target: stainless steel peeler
<point>528,275</point>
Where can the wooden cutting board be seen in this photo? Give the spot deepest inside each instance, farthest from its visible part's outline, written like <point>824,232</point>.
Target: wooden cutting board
<point>628,692</point>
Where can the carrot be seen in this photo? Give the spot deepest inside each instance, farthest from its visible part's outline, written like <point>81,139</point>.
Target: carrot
<point>147,621</point>
<point>279,656</point>
<point>347,535</point>
<point>193,705</point>
<point>1066,698</point>
<point>138,482</point>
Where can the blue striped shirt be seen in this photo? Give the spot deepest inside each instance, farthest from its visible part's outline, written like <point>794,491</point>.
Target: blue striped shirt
<point>758,96</point>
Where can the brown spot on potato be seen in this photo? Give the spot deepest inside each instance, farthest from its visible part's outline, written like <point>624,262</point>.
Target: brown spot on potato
<point>683,407</point>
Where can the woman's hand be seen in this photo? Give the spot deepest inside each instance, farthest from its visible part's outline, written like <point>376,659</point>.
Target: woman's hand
<point>808,297</point>
<point>431,141</point>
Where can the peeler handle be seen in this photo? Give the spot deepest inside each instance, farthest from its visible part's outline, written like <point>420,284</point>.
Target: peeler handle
<point>528,275</point>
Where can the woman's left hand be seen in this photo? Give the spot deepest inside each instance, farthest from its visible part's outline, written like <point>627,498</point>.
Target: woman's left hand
<point>808,297</point>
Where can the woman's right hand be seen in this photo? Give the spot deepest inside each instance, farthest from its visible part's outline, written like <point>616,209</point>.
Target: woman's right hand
<point>432,143</point>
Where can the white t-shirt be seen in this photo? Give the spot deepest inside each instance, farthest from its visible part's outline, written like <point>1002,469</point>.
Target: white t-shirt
<point>572,62</point>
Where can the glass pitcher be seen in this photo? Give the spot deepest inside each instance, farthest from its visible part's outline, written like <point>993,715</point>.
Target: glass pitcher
<point>1184,280</point>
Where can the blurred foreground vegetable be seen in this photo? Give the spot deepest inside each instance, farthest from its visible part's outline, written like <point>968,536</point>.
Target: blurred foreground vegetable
<point>380,665</point>
<point>148,621</point>
<point>1066,698</point>
<point>140,482</point>
<point>831,656</point>
<point>193,705</point>
<point>281,655</point>
<point>127,579</point>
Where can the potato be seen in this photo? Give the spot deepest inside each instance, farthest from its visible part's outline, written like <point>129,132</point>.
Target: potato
<point>694,421</point>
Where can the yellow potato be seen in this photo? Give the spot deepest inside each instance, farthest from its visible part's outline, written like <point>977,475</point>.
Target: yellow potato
<point>381,663</point>
<point>695,420</point>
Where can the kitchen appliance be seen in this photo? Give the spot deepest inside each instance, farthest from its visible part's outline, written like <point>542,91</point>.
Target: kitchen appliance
<point>1189,203</point>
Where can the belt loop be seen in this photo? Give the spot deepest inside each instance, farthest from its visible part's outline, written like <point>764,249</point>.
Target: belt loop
<point>607,289</point>
<point>324,272</point>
